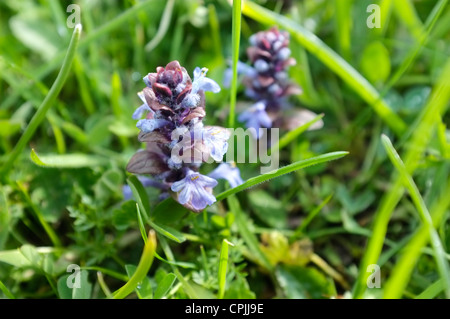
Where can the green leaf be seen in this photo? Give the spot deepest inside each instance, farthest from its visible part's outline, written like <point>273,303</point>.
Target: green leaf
<point>303,283</point>
<point>223,263</point>
<point>168,232</point>
<point>375,62</point>
<point>144,206</point>
<point>281,171</point>
<point>177,211</point>
<point>63,290</point>
<point>239,289</point>
<point>164,285</point>
<point>5,218</point>
<point>84,292</point>
<point>15,258</point>
<point>31,254</point>
<point>270,210</point>
<point>67,160</point>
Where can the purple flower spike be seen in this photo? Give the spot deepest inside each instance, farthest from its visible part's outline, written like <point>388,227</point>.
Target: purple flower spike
<point>229,172</point>
<point>177,142</point>
<point>192,190</point>
<point>256,117</point>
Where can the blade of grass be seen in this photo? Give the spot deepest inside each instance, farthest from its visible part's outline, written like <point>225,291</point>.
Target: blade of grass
<point>163,26</point>
<point>311,215</point>
<point>223,263</point>
<point>141,270</point>
<point>67,160</point>
<point>332,60</point>
<point>103,285</point>
<point>281,171</point>
<point>420,138</point>
<point>439,253</point>
<point>215,30</point>
<point>6,291</point>
<point>235,41</point>
<point>46,104</point>
<point>343,20</point>
<point>402,270</point>
<point>432,291</point>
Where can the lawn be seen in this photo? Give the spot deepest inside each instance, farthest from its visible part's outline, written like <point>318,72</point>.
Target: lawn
<point>342,193</point>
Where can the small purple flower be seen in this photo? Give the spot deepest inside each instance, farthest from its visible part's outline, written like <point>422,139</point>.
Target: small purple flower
<point>215,138</point>
<point>141,109</point>
<point>229,172</point>
<point>192,190</point>
<point>201,82</point>
<point>149,125</point>
<point>256,117</point>
<point>242,68</point>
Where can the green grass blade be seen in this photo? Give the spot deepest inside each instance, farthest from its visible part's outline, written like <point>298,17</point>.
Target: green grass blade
<point>223,264</point>
<point>403,268</point>
<point>281,171</point>
<point>248,236</point>
<point>141,223</point>
<point>46,104</point>
<point>6,291</point>
<point>163,27</point>
<point>332,60</point>
<point>141,270</point>
<point>436,243</point>
<point>235,39</point>
<point>343,18</point>
<point>420,138</point>
<point>432,291</point>
<point>67,160</point>
<point>311,215</point>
